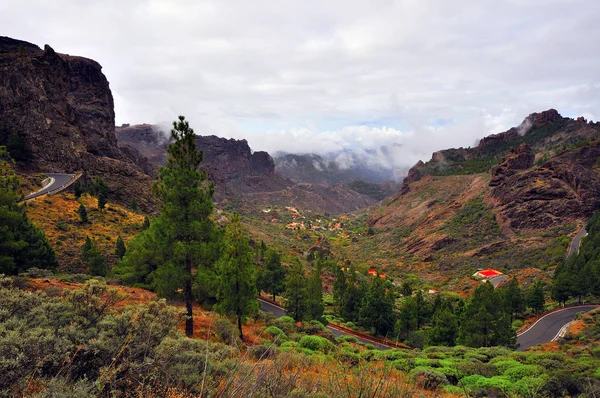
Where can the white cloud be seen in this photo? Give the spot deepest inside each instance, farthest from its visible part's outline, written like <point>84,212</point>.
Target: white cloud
<point>296,75</point>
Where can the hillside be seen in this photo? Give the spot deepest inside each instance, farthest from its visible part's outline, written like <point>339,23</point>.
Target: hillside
<point>246,180</point>
<point>510,203</point>
<point>57,114</point>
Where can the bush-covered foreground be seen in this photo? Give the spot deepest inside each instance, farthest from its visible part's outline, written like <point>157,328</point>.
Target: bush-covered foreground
<point>79,345</point>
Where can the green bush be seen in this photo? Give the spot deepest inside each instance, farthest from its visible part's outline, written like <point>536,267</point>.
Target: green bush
<point>276,335</point>
<point>260,352</point>
<point>427,378</point>
<point>315,343</point>
<point>286,323</point>
<point>227,331</point>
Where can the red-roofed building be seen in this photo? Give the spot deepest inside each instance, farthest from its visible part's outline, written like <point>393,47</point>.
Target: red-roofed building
<point>487,273</point>
<point>382,276</point>
<point>372,272</point>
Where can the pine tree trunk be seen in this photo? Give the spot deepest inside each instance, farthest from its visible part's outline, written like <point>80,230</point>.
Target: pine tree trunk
<point>239,322</point>
<point>189,321</point>
<point>273,296</point>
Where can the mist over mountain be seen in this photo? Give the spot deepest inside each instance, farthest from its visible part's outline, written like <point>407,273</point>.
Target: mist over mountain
<point>374,165</point>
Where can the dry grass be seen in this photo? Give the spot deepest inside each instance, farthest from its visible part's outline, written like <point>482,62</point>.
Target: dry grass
<point>57,216</point>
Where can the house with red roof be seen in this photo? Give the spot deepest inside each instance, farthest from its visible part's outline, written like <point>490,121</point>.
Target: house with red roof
<point>487,273</point>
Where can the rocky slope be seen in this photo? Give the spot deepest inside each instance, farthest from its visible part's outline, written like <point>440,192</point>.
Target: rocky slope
<point>244,179</point>
<point>61,109</point>
<point>511,202</point>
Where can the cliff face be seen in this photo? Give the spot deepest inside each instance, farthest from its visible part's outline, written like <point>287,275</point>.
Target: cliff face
<point>245,179</point>
<point>62,109</point>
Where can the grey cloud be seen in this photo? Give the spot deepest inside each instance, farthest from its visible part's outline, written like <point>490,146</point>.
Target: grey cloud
<point>282,73</point>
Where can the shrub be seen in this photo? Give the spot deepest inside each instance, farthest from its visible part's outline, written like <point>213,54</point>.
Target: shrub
<point>345,338</point>
<point>286,323</point>
<point>349,358</point>
<point>276,335</point>
<point>427,378</point>
<point>226,331</point>
<point>260,352</point>
<point>315,343</point>
<point>37,273</point>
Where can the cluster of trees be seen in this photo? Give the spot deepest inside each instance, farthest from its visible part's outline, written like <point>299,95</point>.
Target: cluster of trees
<point>97,188</point>
<point>579,276</point>
<point>22,244</point>
<point>484,320</point>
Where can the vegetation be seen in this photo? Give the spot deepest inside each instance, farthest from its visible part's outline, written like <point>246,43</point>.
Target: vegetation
<point>184,237</point>
<point>272,277</point>
<point>579,276</point>
<point>237,276</point>
<point>22,245</point>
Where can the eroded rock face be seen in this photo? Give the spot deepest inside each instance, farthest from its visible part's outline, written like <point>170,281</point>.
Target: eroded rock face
<point>520,158</point>
<point>246,177</point>
<point>62,108</point>
<point>565,188</point>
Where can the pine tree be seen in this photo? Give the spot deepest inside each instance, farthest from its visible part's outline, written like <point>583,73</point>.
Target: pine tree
<point>133,205</point>
<point>83,216</point>
<point>100,189</point>
<point>377,311</point>
<point>406,289</point>
<point>315,296</point>
<point>237,276</point>
<point>513,300</point>
<point>407,319</point>
<point>78,189</point>
<point>146,223</point>
<point>22,245</point>
<point>17,148</point>
<point>444,327</point>
<point>272,277</point>
<point>535,297</point>
<point>120,248</point>
<point>484,322</point>
<point>296,293</point>
<point>353,299</point>
<point>183,237</point>
<point>93,258</point>
<point>562,287</point>
<point>340,286</point>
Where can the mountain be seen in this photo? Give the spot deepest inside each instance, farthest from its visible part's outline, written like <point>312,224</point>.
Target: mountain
<point>246,180</point>
<point>59,111</point>
<point>376,165</point>
<point>512,202</point>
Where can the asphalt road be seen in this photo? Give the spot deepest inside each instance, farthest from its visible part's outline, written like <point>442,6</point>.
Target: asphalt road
<point>278,311</point>
<point>59,181</point>
<point>546,329</point>
<point>576,242</point>
<point>497,280</point>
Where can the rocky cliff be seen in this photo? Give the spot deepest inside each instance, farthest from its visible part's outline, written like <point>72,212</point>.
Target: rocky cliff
<point>61,109</point>
<point>245,179</point>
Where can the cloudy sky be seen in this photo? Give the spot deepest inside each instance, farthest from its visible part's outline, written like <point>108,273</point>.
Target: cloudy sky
<point>318,76</point>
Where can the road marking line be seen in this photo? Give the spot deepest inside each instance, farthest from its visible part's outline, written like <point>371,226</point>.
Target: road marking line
<point>554,312</point>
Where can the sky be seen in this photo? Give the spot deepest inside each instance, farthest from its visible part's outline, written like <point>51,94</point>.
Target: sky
<point>321,76</point>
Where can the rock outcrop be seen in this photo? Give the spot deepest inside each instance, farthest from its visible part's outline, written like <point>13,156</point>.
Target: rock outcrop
<point>566,188</point>
<point>243,178</point>
<point>62,109</point>
<point>520,158</point>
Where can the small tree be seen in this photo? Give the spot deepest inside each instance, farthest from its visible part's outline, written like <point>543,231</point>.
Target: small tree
<point>120,248</point>
<point>237,276</point>
<point>78,189</point>
<point>146,223</point>
<point>133,205</point>
<point>83,216</point>
<point>93,258</point>
<point>377,311</point>
<point>444,327</point>
<point>272,278</point>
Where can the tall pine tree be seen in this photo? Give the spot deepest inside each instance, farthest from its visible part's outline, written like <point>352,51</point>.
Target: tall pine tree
<point>183,237</point>
<point>296,292</point>
<point>272,277</point>
<point>237,276</point>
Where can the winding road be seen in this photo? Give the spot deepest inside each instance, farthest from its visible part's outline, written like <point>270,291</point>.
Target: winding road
<point>576,242</point>
<point>58,182</point>
<point>548,327</point>
<point>278,311</point>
